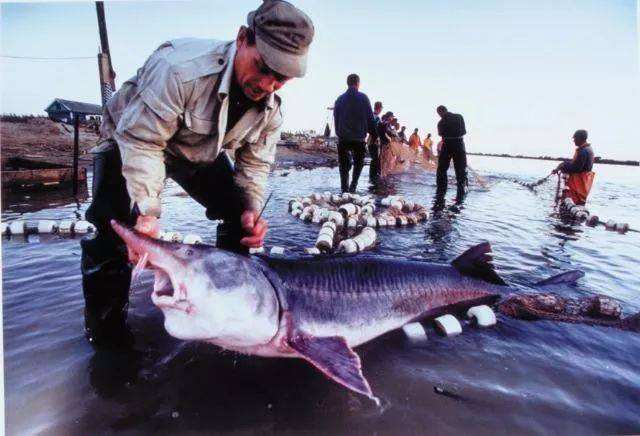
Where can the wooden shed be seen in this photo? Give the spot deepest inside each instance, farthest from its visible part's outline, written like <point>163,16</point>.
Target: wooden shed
<point>65,111</point>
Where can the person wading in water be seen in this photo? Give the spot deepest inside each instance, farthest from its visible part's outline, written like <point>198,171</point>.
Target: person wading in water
<point>451,129</point>
<point>579,170</point>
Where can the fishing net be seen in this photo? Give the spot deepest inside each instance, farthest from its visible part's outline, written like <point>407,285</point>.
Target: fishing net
<point>397,157</point>
<point>596,310</point>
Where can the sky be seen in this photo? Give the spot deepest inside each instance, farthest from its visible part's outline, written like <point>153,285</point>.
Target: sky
<point>524,74</point>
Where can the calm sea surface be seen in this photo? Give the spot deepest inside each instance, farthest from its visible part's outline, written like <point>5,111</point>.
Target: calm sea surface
<point>518,377</point>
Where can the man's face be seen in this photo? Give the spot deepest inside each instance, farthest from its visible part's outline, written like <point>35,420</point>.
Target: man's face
<point>377,110</point>
<point>253,75</point>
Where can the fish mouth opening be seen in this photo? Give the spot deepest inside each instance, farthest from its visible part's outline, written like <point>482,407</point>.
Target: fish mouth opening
<point>164,293</point>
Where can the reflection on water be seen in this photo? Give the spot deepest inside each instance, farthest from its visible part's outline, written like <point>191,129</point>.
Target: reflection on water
<point>519,377</point>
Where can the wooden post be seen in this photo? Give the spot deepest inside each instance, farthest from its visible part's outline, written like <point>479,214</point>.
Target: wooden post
<point>76,150</point>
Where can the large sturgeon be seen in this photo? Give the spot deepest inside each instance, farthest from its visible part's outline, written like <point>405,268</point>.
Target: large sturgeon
<point>315,309</point>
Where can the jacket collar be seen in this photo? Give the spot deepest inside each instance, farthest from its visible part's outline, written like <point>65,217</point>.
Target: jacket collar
<point>227,77</point>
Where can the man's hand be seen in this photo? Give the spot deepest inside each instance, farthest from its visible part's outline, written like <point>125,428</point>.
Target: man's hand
<point>256,230</point>
<point>147,225</point>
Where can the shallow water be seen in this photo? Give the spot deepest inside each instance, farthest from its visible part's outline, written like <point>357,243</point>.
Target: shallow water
<point>518,377</point>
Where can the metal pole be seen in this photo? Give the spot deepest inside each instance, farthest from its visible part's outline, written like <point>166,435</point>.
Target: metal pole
<point>107,75</point>
<point>76,150</point>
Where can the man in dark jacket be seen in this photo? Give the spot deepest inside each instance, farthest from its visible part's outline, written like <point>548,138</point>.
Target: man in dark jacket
<point>354,119</point>
<point>452,129</point>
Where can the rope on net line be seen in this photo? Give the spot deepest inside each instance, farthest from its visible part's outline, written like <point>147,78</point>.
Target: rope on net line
<point>568,209</point>
<point>73,228</point>
<point>533,185</point>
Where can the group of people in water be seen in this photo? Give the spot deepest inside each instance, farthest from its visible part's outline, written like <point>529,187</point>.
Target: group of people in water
<point>360,129</point>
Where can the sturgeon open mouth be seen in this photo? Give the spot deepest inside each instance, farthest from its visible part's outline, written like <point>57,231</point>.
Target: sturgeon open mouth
<point>162,286</point>
<point>164,295</point>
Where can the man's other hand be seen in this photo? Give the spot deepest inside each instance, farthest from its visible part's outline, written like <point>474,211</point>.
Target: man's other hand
<point>256,230</point>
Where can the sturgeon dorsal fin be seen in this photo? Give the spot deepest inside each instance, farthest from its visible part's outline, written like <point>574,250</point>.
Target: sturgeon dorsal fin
<point>334,358</point>
<point>565,277</point>
<point>476,262</point>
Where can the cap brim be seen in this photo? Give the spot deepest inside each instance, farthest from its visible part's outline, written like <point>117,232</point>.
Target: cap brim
<point>287,64</point>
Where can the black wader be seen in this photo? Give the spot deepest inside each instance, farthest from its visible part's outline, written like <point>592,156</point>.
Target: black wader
<point>106,272</point>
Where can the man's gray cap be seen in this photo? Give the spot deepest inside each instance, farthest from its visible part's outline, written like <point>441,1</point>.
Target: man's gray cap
<point>283,35</point>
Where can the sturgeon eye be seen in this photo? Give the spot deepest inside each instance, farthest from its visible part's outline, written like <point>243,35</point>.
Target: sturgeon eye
<point>189,252</point>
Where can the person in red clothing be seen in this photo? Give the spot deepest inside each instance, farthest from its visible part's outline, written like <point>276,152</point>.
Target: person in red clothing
<point>578,170</point>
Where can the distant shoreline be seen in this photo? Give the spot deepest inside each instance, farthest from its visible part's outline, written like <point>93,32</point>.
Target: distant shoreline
<point>598,160</point>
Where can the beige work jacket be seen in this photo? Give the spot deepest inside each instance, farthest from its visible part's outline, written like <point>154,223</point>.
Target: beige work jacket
<point>169,108</point>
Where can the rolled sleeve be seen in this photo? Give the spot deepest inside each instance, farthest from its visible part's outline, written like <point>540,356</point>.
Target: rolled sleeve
<point>254,161</point>
<point>147,123</point>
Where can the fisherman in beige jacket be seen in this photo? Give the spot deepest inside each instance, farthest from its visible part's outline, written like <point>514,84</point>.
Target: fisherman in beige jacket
<point>204,113</point>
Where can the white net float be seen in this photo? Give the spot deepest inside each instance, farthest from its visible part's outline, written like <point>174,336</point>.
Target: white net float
<point>324,242</point>
<point>296,212</point>
<point>275,250</point>
<point>4,227</point>
<point>610,225</point>
<point>352,222</point>
<point>337,218</point>
<point>622,227</point>
<point>346,196</point>
<point>335,198</point>
<point>397,205</point>
<point>448,325</point>
<point>402,221</point>
<point>171,236</point>
<point>256,250</point>
<point>381,222</point>
<point>368,209</point>
<point>326,196</point>
<point>65,226</point>
<point>414,331</point>
<point>316,196</point>
<point>306,201</point>
<point>82,227</point>
<point>46,226</point>
<point>295,205</point>
<point>348,246</point>
<point>408,206</point>
<point>593,220</point>
<point>330,224</point>
<point>483,315</point>
<point>192,239</point>
<point>348,209</point>
<point>371,221</point>
<point>312,250</point>
<point>17,227</point>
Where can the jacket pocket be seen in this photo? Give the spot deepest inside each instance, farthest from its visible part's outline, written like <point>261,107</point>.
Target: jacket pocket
<point>158,107</point>
<point>198,125</point>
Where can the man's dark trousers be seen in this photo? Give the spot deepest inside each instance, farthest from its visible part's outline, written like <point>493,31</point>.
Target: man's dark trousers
<point>374,166</point>
<point>347,150</point>
<point>106,273</point>
<point>452,149</point>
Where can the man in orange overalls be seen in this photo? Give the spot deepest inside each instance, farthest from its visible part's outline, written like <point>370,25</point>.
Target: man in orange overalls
<point>580,177</point>
<point>414,141</point>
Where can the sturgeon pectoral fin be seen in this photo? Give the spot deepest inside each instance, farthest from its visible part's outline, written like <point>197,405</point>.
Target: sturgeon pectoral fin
<point>565,277</point>
<point>335,359</point>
